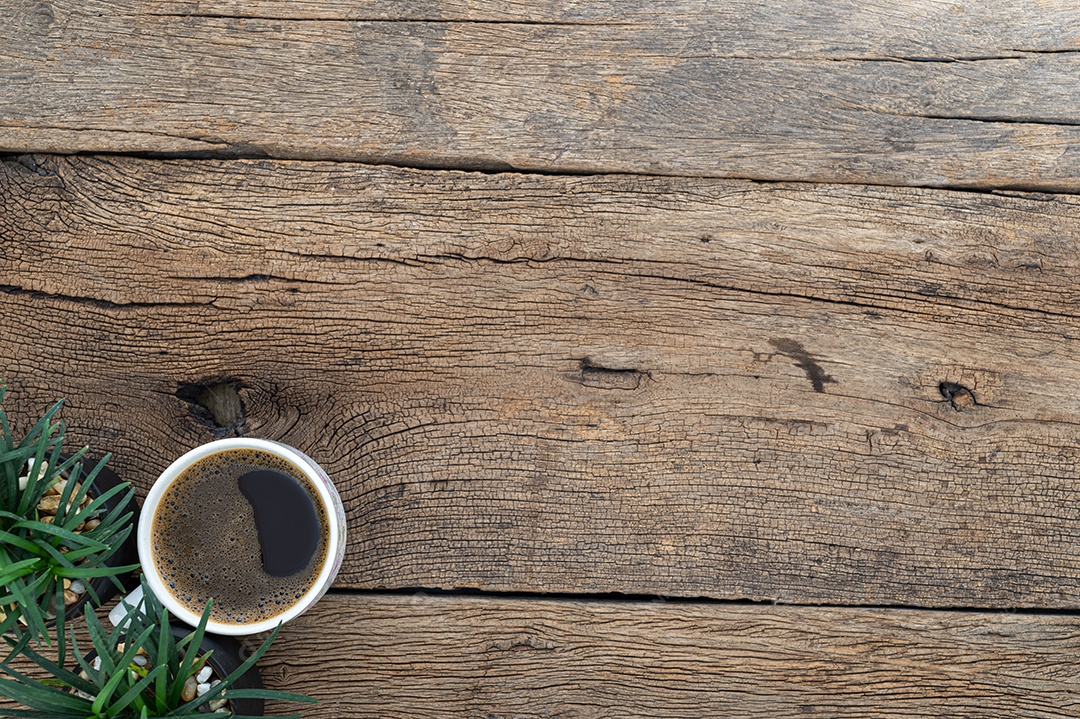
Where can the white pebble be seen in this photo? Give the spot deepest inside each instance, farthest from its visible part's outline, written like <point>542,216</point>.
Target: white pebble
<point>140,660</point>
<point>204,675</point>
<point>97,663</point>
<point>22,483</point>
<point>202,689</point>
<point>77,587</point>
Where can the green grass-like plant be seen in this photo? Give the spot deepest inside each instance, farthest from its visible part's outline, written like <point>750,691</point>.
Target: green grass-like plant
<point>120,688</point>
<point>37,556</point>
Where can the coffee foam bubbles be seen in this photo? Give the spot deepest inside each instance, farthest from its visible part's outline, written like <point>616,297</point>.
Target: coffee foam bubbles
<point>206,545</point>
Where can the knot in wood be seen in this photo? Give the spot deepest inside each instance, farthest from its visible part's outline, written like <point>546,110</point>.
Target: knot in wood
<point>960,397</point>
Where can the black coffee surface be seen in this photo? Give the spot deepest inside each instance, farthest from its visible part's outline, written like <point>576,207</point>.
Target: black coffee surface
<point>255,555</point>
<point>287,520</point>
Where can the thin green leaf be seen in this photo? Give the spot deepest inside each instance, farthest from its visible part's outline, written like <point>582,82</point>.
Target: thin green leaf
<point>113,534</point>
<point>4,514</point>
<point>38,696</point>
<point>40,425</point>
<point>68,677</point>
<point>86,666</point>
<point>72,497</point>
<point>201,660</point>
<point>6,431</point>
<point>97,504</point>
<point>74,538</point>
<point>81,572</point>
<point>127,698</point>
<point>17,644</point>
<point>8,625</point>
<point>48,476</point>
<point>33,491</point>
<point>30,611</point>
<point>75,555</point>
<point>16,458</point>
<point>55,560</point>
<point>17,569</point>
<point>22,678</point>
<point>164,648</point>
<point>93,473</point>
<point>250,662</point>
<point>61,615</point>
<point>13,538</point>
<point>65,496</point>
<point>121,672</point>
<point>101,640</point>
<point>66,464</point>
<point>193,641</point>
<point>61,638</point>
<point>78,477</point>
<point>173,658</point>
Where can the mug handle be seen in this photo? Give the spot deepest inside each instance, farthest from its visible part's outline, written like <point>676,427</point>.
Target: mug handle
<point>118,615</point>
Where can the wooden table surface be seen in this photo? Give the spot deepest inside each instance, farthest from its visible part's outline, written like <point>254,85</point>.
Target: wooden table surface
<point>673,358</point>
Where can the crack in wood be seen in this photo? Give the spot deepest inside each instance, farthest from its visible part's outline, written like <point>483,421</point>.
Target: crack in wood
<point>632,598</point>
<point>600,377</point>
<point>247,151</point>
<point>393,21</point>
<point>989,119</point>
<point>16,291</point>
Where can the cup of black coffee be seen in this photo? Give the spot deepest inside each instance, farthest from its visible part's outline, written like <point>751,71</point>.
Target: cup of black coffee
<point>253,524</point>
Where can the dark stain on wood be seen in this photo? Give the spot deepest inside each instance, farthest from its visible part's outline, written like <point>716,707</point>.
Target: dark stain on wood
<point>804,361</point>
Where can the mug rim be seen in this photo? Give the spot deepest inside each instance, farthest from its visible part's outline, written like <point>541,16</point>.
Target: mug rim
<point>153,498</point>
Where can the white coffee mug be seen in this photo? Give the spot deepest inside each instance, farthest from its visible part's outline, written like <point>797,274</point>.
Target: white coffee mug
<point>327,496</point>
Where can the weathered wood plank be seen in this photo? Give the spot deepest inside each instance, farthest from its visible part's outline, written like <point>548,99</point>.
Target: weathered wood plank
<point>927,93</point>
<point>835,394</point>
<point>923,29</point>
<point>380,657</point>
<point>447,657</point>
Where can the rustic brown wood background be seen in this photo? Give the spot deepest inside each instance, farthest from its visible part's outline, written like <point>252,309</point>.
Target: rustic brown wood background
<point>728,352</point>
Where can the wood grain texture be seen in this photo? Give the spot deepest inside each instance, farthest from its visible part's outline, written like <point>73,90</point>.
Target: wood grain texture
<point>926,93</point>
<point>448,657</point>
<point>804,393</point>
<point>383,657</point>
